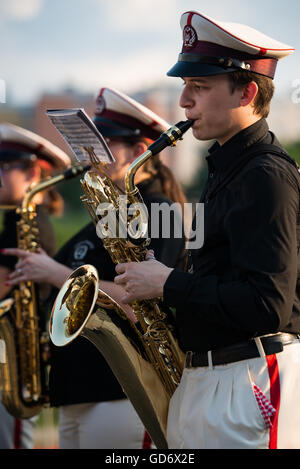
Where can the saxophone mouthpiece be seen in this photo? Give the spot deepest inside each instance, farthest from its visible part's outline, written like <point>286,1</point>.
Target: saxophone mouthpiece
<point>75,171</point>
<point>183,126</point>
<point>170,137</point>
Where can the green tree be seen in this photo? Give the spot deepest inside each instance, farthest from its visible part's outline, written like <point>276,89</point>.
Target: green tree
<point>75,215</point>
<point>293,150</point>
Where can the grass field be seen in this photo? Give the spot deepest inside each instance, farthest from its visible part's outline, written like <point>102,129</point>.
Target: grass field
<point>46,431</point>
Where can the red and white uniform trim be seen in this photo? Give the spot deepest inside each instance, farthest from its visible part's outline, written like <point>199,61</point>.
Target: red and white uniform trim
<point>251,404</point>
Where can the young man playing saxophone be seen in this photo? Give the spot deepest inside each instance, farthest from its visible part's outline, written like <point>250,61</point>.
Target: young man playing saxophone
<point>237,305</point>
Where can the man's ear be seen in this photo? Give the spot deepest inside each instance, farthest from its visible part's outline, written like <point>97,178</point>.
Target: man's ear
<point>138,149</point>
<point>249,93</point>
<point>34,173</point>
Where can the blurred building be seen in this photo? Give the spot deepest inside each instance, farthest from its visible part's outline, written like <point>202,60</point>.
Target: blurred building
<point>284,119</point>
<point>65,100</point>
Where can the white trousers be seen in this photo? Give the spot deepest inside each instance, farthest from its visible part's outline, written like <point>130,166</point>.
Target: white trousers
<point>252,404</point>
<point>113,424</point>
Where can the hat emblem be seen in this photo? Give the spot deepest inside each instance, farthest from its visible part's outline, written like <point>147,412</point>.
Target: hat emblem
<point>100,104</point>
<point>189,37</point>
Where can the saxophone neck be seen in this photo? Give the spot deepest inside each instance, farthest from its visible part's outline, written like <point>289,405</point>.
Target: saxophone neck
<point>131,172</point>
<point>34,189</point>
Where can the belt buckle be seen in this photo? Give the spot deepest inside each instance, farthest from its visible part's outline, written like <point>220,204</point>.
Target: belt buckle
<point>188,359</point>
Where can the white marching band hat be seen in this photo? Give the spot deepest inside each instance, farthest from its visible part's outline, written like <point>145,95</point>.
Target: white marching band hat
<point>119,116</point>
<point>17,143</point>
<point>212,47</point>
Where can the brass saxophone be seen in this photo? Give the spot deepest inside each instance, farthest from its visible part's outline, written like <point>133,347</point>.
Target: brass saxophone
<point>144,356</point>
<point>23,375</point>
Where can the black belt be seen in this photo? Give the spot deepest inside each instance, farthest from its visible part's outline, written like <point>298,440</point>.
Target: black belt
<point>271,344</point>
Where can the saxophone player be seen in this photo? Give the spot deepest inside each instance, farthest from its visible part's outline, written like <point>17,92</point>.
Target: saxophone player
<point>93,410</point>
<point>25,159</point>
<point>237,305</point>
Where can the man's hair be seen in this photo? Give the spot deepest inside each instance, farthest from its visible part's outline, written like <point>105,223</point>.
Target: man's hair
<point>265,92</point>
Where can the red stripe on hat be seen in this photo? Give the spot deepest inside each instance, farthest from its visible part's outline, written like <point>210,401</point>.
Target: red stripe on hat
<point>17,433</point>
<point>147,441</point>
<point>273,370</point>
<point>262,51</point>
<point>189,20</point>
<point>39,148</point>
<point>265,67</point>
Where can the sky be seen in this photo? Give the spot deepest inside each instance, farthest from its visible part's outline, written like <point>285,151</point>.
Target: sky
<point>126,44</point>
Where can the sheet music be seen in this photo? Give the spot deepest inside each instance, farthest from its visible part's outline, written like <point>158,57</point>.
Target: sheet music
<point>79,131</point>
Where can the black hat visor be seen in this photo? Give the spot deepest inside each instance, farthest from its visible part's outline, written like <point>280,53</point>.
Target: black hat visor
<point>109,128</point>
<point>9,154</point>
<point>190,65</point>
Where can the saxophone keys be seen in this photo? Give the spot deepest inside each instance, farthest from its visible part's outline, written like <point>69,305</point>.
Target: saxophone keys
<point>26,228</point>
<point>26,295</point>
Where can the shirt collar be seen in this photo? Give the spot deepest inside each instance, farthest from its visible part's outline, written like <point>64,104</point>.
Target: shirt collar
<point>222,157</point>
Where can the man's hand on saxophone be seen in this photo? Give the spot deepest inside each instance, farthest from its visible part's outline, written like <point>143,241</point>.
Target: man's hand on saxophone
<point>142,280</point>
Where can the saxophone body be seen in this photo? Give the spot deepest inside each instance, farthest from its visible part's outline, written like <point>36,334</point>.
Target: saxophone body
<point>143,354</point>
<point>24,373</point>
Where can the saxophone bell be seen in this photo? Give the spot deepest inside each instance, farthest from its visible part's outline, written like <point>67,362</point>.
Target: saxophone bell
<point>83,309</point>
<point>74,304</point>
<point>6,305</point>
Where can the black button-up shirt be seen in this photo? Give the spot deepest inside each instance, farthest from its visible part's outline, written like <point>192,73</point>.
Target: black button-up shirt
<point>244,277</point>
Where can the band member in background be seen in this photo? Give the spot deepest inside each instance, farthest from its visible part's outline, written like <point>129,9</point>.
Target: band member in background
<point>25,159</point>
<point>93,410</point>
<point>237,305</point>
